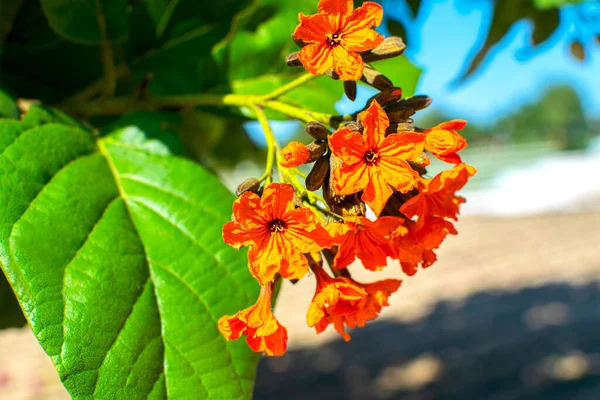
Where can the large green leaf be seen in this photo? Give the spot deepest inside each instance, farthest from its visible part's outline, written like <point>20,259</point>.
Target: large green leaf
<point>88,21</point>
<point>114,250</point>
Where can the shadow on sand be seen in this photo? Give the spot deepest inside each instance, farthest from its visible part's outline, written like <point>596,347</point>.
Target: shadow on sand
<point>539,343</point>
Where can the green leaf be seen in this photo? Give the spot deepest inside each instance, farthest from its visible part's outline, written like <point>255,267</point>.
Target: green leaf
<point>114,250</point>
<point>88,21</point>
<point>548,4</point>
<point>8,106</point>
<point>8,13</point>
<point>402,72</point>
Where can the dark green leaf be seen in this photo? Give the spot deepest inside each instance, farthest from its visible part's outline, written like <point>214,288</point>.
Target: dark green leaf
<point>114,250</point>
<point>544,24</point>
<point>88,21</point>
<point>8,13</point>
<point>8,106</point>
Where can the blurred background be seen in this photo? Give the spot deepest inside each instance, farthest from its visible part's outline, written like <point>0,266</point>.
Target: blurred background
<point>512,308</point>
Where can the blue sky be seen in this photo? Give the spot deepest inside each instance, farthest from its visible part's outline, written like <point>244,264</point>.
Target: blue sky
<point>445,33</point>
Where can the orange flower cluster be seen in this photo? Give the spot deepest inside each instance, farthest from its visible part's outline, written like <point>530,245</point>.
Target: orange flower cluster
<point>377,161</point>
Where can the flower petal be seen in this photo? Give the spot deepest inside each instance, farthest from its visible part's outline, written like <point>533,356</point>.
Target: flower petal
<point>312,28</point>
<point>367,16</point>
<point>277,199</point>
<point>375,121</point>
<point>235,236</point>
<point>347,64</point>
<point>305,231</point>
<point>407,146</point>
<point>362,40</point>
<point>350,179</point>
<point>264,260</point>
<point>398,174</point>
<point>348,145</point>
<point>377,191</point>
<point>317,58</point>
<point>337,11</point>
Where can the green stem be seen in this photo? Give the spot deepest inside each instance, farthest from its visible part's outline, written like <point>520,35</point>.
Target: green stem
<point>288,87</point>
<point>272,146</point>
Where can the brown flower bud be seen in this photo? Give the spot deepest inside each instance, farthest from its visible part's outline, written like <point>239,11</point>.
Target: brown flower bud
<point>390,47</point>
<point>316,176</point>
<point>249,185</point>
<point>387,96</point>
<point>316,149</point>
<point>355,126</point>
<point>418,102</point>
<point>292,60</point>
<point>399,127</point>
<point>577,50</point>
<point>350,89</point>
<point>375,79</point>
<point>398,113</point>
<point>317,130</point>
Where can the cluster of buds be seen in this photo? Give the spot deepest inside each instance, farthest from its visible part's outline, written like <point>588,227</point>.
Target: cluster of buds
<point>376,161</point>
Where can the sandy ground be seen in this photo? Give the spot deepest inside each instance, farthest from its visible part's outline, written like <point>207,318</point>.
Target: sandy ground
<point>534,269</point>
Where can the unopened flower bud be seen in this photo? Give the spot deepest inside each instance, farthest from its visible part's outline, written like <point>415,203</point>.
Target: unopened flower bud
<point>350,89</point>
<point>249,185</point>
<point>316,176</point>
<point>387,96</point>
<point>390,47</point>
<point>398,113</point>
<point>316,130</point>
<point>355,126</point>
<point>294,154</point>
<point>316,150</point>
<point>292,60</point>
<point>418,102</point>
<point>399,127</point>
<point>375,79</point>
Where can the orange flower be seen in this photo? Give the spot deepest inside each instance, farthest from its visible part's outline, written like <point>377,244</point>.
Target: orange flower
<point>414,245</point>
<point>333,298</point>
<point>443,140</point>
<point>366,240</point>
<point>437,197</point>
<point>342,301</point>
<point>373,162</point>
<point>277,232</point>
<point>336,35</point>
<point>378,294</point>
<point>294,154</point>
<point>263,331</point>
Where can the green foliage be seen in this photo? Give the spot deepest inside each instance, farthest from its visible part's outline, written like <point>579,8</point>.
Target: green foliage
<point>88,21</point>
<point>114,249</point>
